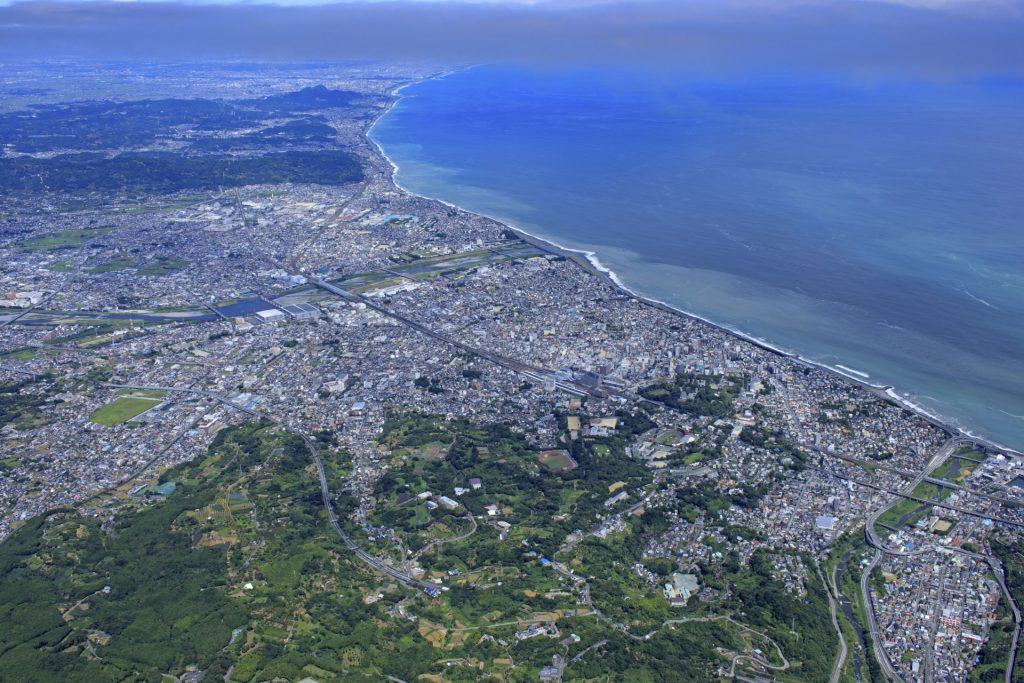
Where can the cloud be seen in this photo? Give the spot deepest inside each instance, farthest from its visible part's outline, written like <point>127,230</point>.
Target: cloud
<point>956,38</point>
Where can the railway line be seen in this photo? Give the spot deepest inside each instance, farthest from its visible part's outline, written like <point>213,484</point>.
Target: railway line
<point>510,363</point>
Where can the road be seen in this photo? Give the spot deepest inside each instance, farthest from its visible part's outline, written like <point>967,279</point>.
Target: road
<point>452,539</point>
<point>940,457</point>
<point>1000,574</point>
<point>871,534</point>
<point>1002,500</point>
<point>837,667</point>
<point>374,562</point>
<point>876,636</point>
<point>15,318</point>
<point>510,363</point>
<point>582,653</point>
<point>569,545</point>
<point>759,660</point>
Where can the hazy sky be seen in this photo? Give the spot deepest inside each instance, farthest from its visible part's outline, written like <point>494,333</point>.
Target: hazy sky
<point>940,38</point>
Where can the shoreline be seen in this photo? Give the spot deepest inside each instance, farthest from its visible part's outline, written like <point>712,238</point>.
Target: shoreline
<point>591,262</point>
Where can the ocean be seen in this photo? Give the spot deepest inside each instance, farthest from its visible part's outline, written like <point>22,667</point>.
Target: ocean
<point>876,227</point>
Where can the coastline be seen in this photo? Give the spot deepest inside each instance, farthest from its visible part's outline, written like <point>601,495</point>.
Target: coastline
<point>590,261</point>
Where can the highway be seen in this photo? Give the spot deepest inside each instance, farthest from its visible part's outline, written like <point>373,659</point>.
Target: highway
<point>875,542</point>
<point>876,638</point>
<point>374,562</point>
<point>837,666</point>
<point>937,460</point>
<point>1009,502</point>
<point>871,534</point>
<point>940,457</point>
<point>908,496</point>
<point>1000,574</point>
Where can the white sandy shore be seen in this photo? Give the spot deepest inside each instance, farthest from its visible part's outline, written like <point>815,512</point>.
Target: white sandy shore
<point>856,376</point>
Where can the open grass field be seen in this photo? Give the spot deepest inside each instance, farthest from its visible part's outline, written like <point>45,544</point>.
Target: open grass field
<point>670,437</point>
<point>20,354</point>
<point>907,512</point>
<point>161,265</point>
<point>114,265</point>
<point>963,468</point>
<point>435,450</point>
<point>122,409</point>
<point>142,393</point>
<point>68,239</point>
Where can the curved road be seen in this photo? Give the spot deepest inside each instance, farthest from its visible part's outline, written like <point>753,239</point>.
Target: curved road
<point>374,562</point>
<point>871,535</point>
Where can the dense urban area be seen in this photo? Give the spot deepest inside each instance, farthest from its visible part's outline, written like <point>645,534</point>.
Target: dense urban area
<point>265,416</point>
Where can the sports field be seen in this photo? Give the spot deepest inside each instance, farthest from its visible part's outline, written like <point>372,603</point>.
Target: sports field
<point>123,409</point>
<point>557,461</point>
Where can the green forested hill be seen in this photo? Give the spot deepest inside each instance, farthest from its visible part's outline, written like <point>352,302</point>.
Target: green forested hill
<point>161,172</point>
<point>238,571</point>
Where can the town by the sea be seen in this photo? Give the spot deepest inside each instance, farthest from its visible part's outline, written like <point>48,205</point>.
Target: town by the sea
<point>874,227</point>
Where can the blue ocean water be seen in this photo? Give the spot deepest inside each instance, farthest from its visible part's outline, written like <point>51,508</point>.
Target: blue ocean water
<point>877,226</point>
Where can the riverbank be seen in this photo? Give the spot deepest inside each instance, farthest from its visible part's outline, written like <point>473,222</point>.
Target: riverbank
<point>590,261</point>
